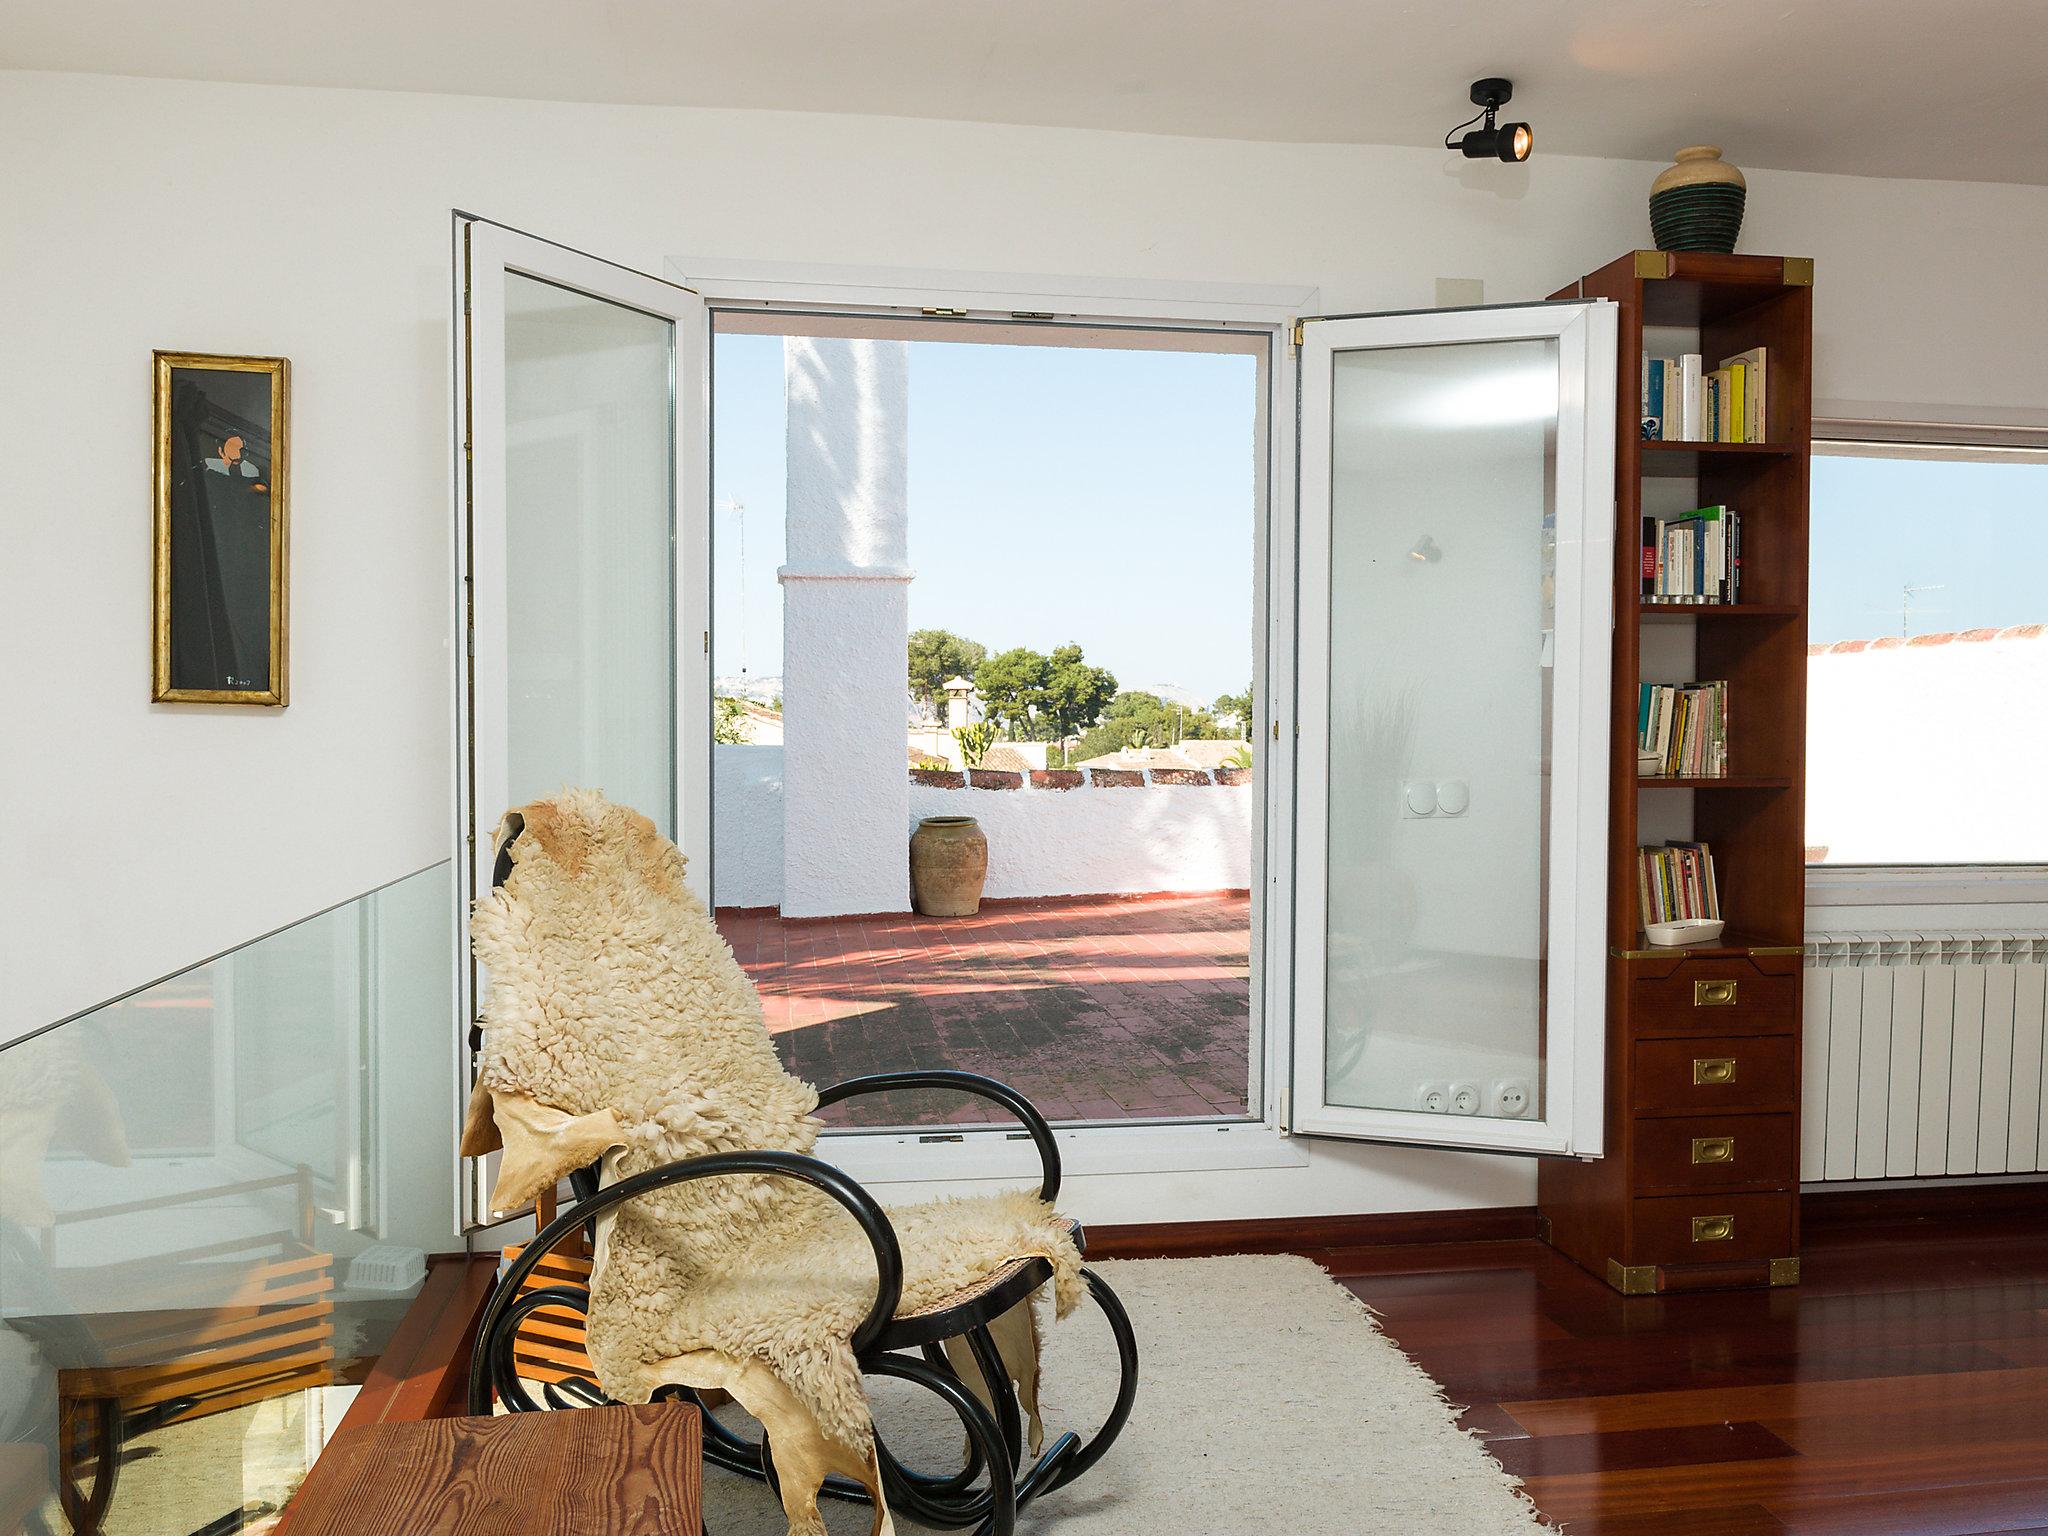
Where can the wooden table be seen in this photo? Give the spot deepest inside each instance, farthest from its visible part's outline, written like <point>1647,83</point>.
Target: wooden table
<point>571,1472</point>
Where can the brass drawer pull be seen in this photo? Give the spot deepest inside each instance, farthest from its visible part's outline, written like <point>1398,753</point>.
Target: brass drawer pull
<point>1713,1229</point>
<point>1713,1149</point>
<point>1714,994</point>
<point>1713,1071</point>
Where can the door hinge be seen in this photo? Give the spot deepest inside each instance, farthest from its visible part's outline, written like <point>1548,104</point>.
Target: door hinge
<point>1297,333</point>
<point>943,313</point>
<point>707,642</point>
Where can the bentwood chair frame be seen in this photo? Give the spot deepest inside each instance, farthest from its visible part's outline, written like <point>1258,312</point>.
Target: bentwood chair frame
<point>906,1348</point>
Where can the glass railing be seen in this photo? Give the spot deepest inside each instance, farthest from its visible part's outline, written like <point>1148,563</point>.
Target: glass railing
<point>215,1199</point>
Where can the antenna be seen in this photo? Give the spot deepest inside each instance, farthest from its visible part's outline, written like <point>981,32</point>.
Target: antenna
<point>738,509</point>
<point>1906,595</point>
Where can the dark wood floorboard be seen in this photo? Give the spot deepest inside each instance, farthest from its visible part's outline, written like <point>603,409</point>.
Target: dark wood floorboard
<point>1902,1390</point>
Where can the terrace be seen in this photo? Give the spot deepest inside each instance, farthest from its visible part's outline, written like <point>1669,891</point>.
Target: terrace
<point>1096,1008</point>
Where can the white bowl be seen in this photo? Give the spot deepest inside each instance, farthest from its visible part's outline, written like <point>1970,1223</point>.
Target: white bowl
<point>1649,764</point>
<point>1691,930</point>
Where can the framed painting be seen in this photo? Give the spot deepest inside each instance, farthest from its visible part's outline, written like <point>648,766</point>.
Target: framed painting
<point>223,526</point>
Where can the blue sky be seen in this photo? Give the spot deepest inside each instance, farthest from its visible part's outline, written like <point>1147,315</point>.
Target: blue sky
<point>1056,495</point>
<point>1978,533</point>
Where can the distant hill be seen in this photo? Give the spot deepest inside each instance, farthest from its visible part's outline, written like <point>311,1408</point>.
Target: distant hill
<point>1173,693</point>
<point>762,690</point>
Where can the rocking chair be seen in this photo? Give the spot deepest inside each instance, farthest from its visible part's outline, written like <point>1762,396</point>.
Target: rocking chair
<point>932,1347</point>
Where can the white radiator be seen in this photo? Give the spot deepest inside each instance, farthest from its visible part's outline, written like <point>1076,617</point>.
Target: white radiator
<point>1923,1055</point>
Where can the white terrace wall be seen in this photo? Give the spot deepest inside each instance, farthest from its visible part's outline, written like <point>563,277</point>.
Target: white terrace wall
<point>1094,840</point>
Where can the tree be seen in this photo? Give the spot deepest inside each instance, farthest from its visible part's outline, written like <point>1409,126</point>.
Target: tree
<point>1239,707</point>
<point>1162,724</point>
<point>937,656</point>
<point>1012,688</point>
<point>728,726</point>
<point>1075,693</point>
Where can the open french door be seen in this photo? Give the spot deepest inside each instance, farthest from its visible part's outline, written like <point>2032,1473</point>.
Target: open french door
<point>582,548</point>
<point>1456,483</point>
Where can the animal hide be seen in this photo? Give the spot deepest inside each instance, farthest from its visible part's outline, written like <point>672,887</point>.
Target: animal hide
<point>618,1023</point>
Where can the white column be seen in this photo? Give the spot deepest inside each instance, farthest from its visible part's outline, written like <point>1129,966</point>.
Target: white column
<point>845,628</point>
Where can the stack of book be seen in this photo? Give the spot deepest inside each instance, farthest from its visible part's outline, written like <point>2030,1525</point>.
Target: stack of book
<point>1677,882</point>
<point>1695,557</point>
<point>1685,726</point>
<point>1687,403</point>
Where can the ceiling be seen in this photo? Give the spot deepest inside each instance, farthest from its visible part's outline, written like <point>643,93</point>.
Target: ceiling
<point>1863,87</point>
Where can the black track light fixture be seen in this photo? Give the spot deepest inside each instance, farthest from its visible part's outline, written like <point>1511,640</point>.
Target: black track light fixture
<point>1492,140</point>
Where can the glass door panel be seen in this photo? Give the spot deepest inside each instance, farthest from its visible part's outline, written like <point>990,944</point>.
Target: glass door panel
<point>1456,501</point>
<point>583,542</point>
<point>589,575</point>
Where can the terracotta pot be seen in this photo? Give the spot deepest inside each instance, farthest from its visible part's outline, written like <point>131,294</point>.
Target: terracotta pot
<point>948,866</point>
<point>1696,203</point>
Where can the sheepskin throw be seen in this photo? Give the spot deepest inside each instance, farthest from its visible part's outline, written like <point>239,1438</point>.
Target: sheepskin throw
<point>619,1025</point>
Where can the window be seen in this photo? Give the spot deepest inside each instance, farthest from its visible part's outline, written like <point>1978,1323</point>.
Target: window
<point>1927,650</point>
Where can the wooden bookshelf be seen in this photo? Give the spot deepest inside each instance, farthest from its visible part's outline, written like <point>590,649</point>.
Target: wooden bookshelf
<point>1708,1034</point>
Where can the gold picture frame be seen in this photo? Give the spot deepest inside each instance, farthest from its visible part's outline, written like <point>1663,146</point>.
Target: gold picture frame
<point>222,530</point>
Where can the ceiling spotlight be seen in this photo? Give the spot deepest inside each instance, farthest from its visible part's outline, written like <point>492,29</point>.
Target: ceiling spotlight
<point>1492,141</point>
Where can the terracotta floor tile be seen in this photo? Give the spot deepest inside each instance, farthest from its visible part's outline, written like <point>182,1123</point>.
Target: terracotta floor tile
<point>1108,1009</point>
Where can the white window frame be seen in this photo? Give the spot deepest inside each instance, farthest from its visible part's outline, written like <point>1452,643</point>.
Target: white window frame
<point>1575,984</point>
<point>951,1153</point>
<point>1904,894</point>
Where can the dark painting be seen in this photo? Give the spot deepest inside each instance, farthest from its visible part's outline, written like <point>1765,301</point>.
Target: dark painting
<point>220,585</point>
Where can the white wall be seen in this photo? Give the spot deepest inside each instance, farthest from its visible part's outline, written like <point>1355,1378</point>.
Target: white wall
<point>746,827</point>
<point>315,224</point>
<point>1930,752</point>
<point>1041,842</point>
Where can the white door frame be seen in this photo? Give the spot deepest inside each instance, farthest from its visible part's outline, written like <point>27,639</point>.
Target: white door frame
<point>939,1155</point>
<point>483,253</point>
<point>1575,983</point>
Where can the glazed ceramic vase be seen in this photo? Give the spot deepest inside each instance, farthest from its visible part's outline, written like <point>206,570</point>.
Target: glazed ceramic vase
<point>1696,203</point>
<point>948,866</point>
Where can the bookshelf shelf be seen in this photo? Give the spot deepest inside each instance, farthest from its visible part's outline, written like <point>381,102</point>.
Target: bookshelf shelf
<point>1731,1007</point>
<point>1715,781</point>
<point>1731,946</point>
<point>1766,611</point>
<point>1678,459</point>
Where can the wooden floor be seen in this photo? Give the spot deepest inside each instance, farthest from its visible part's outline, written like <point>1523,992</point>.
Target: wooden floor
<point>1902,1390</point>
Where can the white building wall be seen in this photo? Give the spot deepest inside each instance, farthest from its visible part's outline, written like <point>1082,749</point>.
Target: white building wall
<point>1041,842</point>
<point>746,826</point>
<point>1929,752</point>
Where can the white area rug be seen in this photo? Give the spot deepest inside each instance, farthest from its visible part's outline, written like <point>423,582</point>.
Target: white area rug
<point>1268,1401</point>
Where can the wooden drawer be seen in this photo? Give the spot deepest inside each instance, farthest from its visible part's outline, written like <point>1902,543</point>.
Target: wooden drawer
<point>1714,1073</point>
<point>1701,1152</point>
<point>1736,995</point>
<point>1687,1229</point>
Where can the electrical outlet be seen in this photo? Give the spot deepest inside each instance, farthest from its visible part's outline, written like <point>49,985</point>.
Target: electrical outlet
<point>1433,1098</point>
<point>1464,1098</point>
<point>1512,1099</point>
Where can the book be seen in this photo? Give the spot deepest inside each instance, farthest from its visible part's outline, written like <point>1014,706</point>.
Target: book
<point>1653,397</point>
<point>1756,404</point>
<point>1677,881</point>
<point>1692,399</point>
<point>1685,726</point>
<point>1694,557</point>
